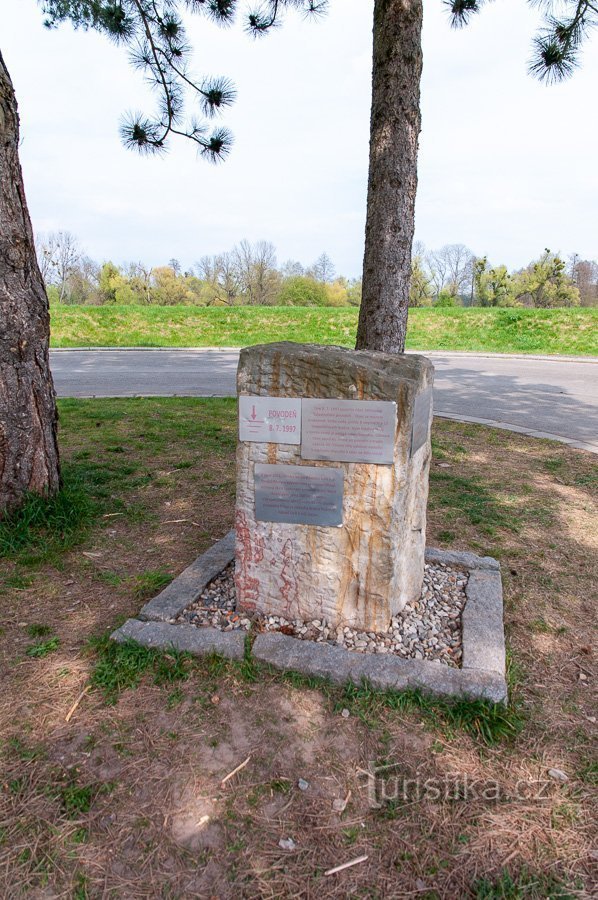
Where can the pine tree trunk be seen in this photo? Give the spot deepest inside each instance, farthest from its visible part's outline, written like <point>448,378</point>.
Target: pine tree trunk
<point>394,132</point>
<point>28,419</point>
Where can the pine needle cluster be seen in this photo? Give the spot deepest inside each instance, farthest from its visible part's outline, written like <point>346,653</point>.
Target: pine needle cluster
<point>154,35</point>
<point>556,46</point>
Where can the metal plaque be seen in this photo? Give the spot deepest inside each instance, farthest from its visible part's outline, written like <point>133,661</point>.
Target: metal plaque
<point>299,495</point>
<point>421,420</point>
<point>361,431</point>
<point>272,420</point>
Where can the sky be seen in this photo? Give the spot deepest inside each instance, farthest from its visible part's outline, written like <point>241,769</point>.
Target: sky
<point>507,165</point>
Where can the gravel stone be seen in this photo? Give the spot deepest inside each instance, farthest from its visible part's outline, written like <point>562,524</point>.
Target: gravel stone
<point>429,628</point>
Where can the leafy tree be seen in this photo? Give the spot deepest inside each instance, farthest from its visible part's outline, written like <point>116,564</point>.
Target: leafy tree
<point>300,290</point>
<point>109,282</point>
<point>493,286</point>
<point>446,300</point>
<point>140,279</point>
<point>545,283</point>
<point>420,291</point>
<point>168,289</point>
<point>337,292</point>
<point>354,288</point>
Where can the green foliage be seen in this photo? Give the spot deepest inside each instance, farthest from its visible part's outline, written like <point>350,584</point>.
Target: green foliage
<point>524,886</point>
<point>354,290</point>
<point>155,37</point>
<point>557,44</point>
<point>36,630</point>
<point>485,721</point>
<point>545,284</point>
<point>77,799</point>
<point>299,290</point>
<point>573,331</point>
<point>43,648</point>
<point>119,667</point>
<point>420,289</point>
<point>148,584</point>
<point>42,528</point>
<point>247,276</point>
<point>169,289</point>
<point>446,300</point>
<point>470,498</point>
<point>493,286</point>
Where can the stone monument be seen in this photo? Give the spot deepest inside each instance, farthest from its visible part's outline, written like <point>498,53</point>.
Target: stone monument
<point>332,482</point>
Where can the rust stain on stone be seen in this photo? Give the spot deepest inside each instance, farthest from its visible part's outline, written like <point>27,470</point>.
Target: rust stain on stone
<point>275,379</point>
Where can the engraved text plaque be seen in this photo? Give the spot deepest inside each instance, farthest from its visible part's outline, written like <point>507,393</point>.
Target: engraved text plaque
<point>421,420</point>
<point>361,431</point>
<point>300,495</point>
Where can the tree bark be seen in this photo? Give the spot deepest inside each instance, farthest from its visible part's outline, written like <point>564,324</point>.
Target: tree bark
<point>394,132</point>
<point>29,459</point>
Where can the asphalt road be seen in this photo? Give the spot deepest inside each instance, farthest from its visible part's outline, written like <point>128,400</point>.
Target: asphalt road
<point>542,396</point>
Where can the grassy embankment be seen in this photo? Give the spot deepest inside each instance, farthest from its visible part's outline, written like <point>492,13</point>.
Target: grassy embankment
<point>561,331</point>
<point>113,757</point>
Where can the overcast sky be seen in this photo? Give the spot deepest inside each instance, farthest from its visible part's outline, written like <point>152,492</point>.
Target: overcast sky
<point>507,165</point>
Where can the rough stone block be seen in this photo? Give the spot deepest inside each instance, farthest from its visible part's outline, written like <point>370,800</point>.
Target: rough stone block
<point>186,587</point>
<point>198,641</point>
<point>483,631</point>
<point>364,572</point>
<point>461,558</point>
<point>382,672</point>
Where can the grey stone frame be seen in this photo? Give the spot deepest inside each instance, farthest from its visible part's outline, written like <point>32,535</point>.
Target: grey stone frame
<point>483,665</point>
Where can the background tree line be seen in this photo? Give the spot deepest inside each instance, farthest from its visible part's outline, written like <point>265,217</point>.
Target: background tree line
<point>249,275</point>
<point>455,276</point>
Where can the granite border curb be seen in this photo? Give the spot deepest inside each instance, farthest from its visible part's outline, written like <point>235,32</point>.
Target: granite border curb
<point>186,587</point>
<point>197,641</point>
<point>484,660</point>
<point>383,672</point>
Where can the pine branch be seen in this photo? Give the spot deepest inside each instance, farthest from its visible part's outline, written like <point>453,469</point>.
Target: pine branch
<point>154,34</point>
<point>557,45</point>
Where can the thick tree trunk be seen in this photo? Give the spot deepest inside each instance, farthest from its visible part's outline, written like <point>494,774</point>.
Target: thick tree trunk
<point>28,419</point>
<point>394,131</point>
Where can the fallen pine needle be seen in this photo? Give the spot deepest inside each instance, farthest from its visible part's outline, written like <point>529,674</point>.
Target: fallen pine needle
<point>71,711</point>
<point>180,522</point>
<point>347,865</point>
<point>234,771</point>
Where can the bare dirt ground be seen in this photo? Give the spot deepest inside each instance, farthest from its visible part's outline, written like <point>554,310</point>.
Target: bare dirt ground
<point>125,799</point>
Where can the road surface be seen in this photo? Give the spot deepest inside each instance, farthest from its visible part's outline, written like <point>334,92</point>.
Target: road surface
<point>542,396</point>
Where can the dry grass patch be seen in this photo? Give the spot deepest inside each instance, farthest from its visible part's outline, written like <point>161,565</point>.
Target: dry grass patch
<point>126,798</point>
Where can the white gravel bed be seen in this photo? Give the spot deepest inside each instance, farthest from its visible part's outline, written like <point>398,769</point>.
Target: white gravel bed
<point>429,629</point>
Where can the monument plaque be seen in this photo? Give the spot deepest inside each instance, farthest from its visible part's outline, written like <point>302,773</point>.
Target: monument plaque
<point>298,495</point>
<point>358,431</point>
<point>272,420</point>
<point>421,420</point>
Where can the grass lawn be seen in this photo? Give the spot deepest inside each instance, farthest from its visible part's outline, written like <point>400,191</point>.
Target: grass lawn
<point>121,796</point>
<point>560,331</point>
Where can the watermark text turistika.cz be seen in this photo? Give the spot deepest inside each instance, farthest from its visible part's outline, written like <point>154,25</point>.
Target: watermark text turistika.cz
<point>388,784</point>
